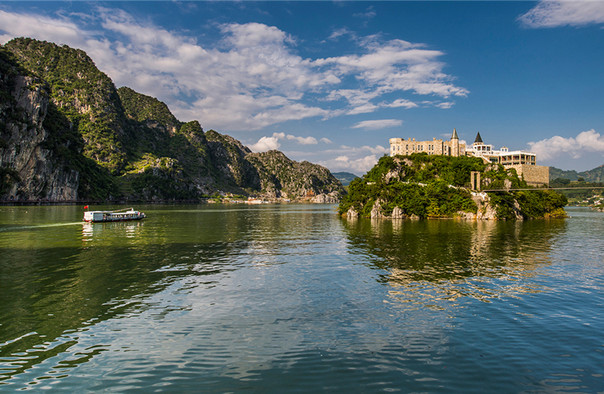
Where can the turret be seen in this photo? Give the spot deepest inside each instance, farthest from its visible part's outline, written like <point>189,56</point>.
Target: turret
<point>454,136</point>
<point>454,144</point>
<point>478,139</point>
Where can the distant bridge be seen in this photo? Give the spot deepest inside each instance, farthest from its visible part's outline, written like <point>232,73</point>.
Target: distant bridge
<point>543,188</point>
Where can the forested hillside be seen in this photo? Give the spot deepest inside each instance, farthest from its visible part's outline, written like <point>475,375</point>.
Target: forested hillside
<point>67,134</point>
<point>423,186</point>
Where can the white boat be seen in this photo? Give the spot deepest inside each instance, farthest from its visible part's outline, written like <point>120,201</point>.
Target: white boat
<point>113,216</point>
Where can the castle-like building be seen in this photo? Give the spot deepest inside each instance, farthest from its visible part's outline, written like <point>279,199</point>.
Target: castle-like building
<point>525,163</point>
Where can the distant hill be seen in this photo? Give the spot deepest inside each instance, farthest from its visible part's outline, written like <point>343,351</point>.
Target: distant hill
<point>345,177</point>
<point>594,175</point>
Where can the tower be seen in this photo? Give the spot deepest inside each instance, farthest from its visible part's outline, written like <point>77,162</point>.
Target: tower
<point>454,144</point>
<point>478,140</point>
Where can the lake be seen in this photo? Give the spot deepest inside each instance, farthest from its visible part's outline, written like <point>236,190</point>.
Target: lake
<point>274,298</point>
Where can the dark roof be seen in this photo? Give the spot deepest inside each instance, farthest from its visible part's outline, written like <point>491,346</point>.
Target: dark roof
<point>454,136</point>
<point>478,138</point>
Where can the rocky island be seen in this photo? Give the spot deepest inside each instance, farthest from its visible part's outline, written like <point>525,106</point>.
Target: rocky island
<point>67,134</point>
<point>431,186</point>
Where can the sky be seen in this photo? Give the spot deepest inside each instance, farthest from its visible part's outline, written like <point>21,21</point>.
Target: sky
<point>332,82</point>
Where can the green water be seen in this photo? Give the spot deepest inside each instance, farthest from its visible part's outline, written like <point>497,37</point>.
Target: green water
<point>291,297</point>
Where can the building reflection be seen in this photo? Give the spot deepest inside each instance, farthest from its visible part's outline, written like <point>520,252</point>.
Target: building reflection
<point>433,263</point>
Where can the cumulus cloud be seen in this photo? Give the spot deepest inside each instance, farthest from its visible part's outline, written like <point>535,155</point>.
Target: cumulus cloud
<point>303,140</point>
<point>61,30</point>
<point>359,165</point>
<point>377,124</point>
<point>585,142</point>
<point>268,143</point>
<point>356,159</point>
<point>253,77</point>
<point>564,13</point>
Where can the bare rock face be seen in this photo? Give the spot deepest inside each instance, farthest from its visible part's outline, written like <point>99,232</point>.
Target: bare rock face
<point>329,198</point>
<point>31,96</point>
<point>352,214</point>
<point>397,213</point>
<point>485,211</point>
<point>30,170</point>
<point>376,212</point>
<point>507,184</point>
<point>466,215</point>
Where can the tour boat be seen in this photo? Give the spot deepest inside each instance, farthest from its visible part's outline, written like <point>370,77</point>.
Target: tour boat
<point>113,216</point>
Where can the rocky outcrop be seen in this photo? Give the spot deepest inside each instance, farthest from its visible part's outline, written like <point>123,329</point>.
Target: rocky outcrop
<point>352,214</point>
<point>330,198</point>
<point>485,210</point>
<point>438,187</point>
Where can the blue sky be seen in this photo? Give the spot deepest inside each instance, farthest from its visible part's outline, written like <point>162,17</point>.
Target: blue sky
<point>331,82</point>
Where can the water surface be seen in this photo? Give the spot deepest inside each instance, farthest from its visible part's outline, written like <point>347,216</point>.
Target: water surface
<point>275,298</point>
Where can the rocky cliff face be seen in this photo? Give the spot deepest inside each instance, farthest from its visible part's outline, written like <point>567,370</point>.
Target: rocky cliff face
<point>66,134</point>
<point>29,168</point>
<point>285,178</point>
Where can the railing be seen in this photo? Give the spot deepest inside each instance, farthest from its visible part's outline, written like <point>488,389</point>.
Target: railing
<point>543,188</point>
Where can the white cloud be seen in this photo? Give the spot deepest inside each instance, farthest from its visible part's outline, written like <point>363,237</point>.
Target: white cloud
<point>356,159</point>
<point>445,104</point>
<point>303,140</point>
<point>564,13</point>
<point>584,142</point>
<point>401,103</point>
<point>60,30</point>
<point>325,140</point>
<point>377,124</point>
<point>252,78</point>
<point>267,143</point>
<point>358,150</point>
<point>358,165</point>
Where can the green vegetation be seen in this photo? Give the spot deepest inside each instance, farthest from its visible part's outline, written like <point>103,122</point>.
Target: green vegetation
<point>421,185</point>
<point>438,186</point>
<point>144,108</point>
<point>81,93</point>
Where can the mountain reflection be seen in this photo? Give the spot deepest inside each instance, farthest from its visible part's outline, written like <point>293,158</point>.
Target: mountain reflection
<point>429,263</point>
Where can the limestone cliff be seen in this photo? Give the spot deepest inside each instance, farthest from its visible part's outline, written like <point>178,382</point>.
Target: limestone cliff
<point>67,134</point>
<point>29,167</point>
<point>282,177</point>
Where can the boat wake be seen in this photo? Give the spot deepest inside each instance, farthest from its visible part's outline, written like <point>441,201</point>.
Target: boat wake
<point>35,226</point>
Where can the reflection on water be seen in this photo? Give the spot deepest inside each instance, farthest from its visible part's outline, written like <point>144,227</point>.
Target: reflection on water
<point>428,262</point>
<point>220,298</point>
<point>130,229</point>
